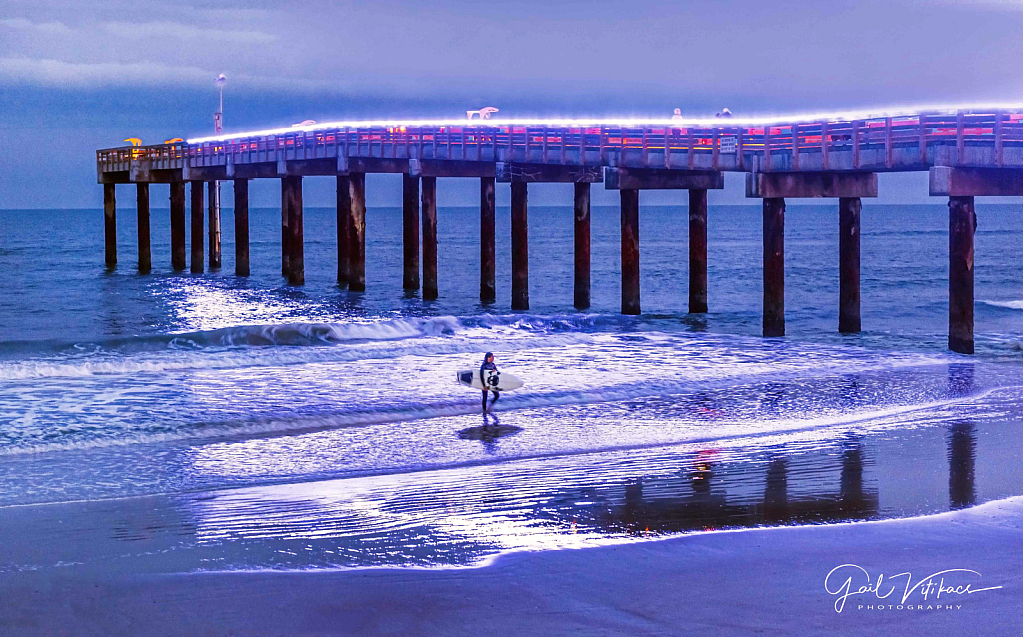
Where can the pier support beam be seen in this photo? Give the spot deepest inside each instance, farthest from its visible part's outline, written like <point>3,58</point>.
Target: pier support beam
<point>582,245</point>
<point>296,241</point>
<point>196,188</point>
<point>519,246</point>
<point>429,238</point>
<point>697,250</point>
<point>849,265</point>
<point>774,188</point>
<point>410,230</point>
<point>344,207</point>
<point>109,225</point>
<point>177,225</point>
<point>214,225</point>
<point>961,185</point>
<point>488,230</point>
<point>357,230</point>
<point>285,269</point>
<point>241,227</point>
<point>145,245</point>
<point>774,266</point>
<point>630,251</point>
<point>962,224</point>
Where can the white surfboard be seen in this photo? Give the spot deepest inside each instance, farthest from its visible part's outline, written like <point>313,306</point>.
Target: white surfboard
<point>492,379</point>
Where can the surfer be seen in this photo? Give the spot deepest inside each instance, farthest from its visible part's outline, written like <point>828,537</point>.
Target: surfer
<point>488,363</point>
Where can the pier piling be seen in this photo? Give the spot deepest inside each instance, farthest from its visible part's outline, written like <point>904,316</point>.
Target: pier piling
<point>519,246</point>
<point>488,231</point>
<point>241,227</point>
<point>214,224</point>
<point>296,241</point>
<point>357,230</point>
<point>197,223</point>
<point>849,264</point>
<point>429,238</point>
<point>344,206</point>
<point>697,251</point>
<point>630,251</point>
<point>962,224</point>
<point>410,231</point>
<point>145,245</point>
<point>285,268</point>
<point>774,266</point>
<point>582,245</point>
<point>109,225</point>
<point>177,225</point>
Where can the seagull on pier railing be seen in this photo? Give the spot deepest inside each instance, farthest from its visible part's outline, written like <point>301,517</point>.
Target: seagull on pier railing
<point>484,113</point>
<point>306,122</point>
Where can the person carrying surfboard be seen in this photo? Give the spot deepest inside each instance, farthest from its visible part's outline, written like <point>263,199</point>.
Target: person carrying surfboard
<point>488,364</point>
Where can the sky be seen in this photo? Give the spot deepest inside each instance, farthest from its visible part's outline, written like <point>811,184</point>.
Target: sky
<point>86,74</point>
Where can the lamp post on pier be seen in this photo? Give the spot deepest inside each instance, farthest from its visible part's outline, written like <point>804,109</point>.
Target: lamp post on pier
<point>214,190</point>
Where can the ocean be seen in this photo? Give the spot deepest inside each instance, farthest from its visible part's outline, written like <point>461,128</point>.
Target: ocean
<point>179,422</point>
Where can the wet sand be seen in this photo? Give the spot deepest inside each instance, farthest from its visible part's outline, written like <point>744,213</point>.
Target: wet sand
<point>750,582</point>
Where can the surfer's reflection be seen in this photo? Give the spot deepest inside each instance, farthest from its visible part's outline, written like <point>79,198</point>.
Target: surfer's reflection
<point>489,432</point>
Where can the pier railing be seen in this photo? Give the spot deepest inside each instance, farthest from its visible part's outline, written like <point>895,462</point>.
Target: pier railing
<point>913,142</point>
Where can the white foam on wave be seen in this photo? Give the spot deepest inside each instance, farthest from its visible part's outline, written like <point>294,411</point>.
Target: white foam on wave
<point>439,409</point>
<point>1010,305</point>
<point>262,357</point>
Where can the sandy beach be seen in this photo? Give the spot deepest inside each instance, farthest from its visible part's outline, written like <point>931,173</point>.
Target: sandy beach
<point>753,582</point>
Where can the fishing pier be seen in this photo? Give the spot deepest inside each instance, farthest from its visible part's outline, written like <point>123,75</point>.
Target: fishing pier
<point>968,154</point>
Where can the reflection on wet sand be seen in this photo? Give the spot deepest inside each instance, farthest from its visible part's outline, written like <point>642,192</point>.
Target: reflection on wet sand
<point>961,442</point>
<point>673,508</point>
<point>488,432</point>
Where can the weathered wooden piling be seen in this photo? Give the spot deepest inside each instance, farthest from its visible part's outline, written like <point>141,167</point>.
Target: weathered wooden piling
<point>774,266</point>
<point>429,238</point>
<point>177,225</point>
<point>109,225</point>
<point>630,251</point>
<point>214,224</point>
<point>285,252</point>
<point>849,264</point>
<point>344,206</point>
<point>697,250</point>
<point>196,188</point>
<point>519,246</point>
<point>357,230</point>
<point>145,245</point>
<point>582,245</point>
<point>962,224</point>
<point>488,230</point>
<point>410,230</point>
<point>241,227</point>
<point>296,240</point>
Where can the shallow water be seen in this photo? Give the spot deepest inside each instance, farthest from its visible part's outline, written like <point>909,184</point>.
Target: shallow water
<point>206,421</point>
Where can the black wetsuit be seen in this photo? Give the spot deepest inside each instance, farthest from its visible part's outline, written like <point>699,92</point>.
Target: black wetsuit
<point>485,366</point>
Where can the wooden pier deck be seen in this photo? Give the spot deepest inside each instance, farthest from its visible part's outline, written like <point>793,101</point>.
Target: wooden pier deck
<point>968,153</point>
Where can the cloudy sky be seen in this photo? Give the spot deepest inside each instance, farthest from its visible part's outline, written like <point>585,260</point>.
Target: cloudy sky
<point>77,76</point>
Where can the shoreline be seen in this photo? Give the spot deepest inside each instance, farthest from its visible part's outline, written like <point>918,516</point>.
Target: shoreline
<point>765,581</point>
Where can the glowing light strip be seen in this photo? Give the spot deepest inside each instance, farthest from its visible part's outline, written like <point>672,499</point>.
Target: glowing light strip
<point>627,122</point>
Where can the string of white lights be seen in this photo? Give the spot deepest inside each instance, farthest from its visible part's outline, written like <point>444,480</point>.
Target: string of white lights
<point>626,122</point>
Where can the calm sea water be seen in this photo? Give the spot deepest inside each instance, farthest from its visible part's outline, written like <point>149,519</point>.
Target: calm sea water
<point>243,423</point>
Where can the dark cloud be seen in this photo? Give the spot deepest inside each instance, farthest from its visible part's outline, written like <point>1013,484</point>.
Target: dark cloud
<point>98,71</point>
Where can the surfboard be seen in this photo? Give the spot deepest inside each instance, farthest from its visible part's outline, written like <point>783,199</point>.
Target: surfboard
<point>492,379</point>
